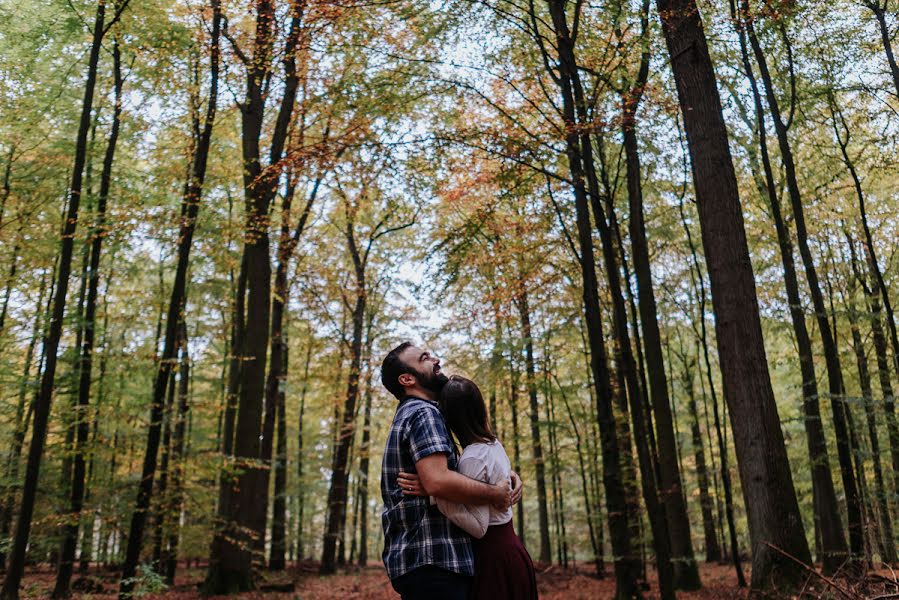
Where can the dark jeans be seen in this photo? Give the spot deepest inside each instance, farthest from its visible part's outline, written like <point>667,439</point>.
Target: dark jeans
<point>432,583</point>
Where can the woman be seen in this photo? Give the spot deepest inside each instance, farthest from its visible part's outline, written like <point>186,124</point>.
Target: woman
<point>503,568</point>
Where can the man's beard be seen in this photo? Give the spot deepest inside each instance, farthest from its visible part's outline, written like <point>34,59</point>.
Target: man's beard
<point>433,382</point>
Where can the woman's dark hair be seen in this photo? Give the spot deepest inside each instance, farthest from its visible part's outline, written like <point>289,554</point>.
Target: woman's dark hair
<point>391,369</point>
<point>465,412</point>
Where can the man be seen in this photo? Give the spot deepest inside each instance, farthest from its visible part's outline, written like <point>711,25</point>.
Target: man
<point>426,556</point>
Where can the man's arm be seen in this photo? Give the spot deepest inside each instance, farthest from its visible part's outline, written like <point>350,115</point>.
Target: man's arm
<point>438,480</point>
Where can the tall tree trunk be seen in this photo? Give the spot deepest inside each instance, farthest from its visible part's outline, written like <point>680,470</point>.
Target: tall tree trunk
<point>516,438</point>
<point>365,449</point>
<point>886,36</point>
<point>189,209</point>
<point>884,533</point>
<point>236,544</point>
<point>620,513</point>
<point>16,562</point>
<point>177,462</point>
<point>770,498</point>
<point>524,312</point>
<point>277,560</point>
<point>22,418</point>
<point>62,587</point>
<point>277,376</point>
<point>712,549</point>
<point>826,507</point>
<point>300,448</point>
<point>831,354</point>
<point>698,282</point>
<point>686,572</point>
<point>593,522</point>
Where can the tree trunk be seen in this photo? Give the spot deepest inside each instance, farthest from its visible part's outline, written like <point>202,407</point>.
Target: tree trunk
<point>365,450</point>
<point>686,572</point>
<point>831,353</point>
<point>243,516</point>
<point>524,312</point>
<point>337,492</point>
<point>886,37</point>
<point>177,462</point>
<point>277,560</point>
<point>885,539</point>
<point>189,209</point>
<point>770,499</point>
<point>826,507</point>
<point>516,439</point>
<point>712,549</point>
<point>62,587</point>
<point>16,561</point>
<point>300,449</point>
<point>620,514</point>
<point>22,419</point>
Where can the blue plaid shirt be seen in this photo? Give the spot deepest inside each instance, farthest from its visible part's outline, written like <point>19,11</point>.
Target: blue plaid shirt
<point>415,532</point>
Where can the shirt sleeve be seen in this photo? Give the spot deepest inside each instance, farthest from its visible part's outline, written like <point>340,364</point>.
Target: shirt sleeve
<point>427,433</point>
<point>473,519</point>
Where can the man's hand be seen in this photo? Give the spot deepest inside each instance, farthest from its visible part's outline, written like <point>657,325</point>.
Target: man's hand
<point>517,488</point>
<point>502,499</point>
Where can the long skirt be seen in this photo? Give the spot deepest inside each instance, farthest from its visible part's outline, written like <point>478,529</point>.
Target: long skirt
<point>503,569</point>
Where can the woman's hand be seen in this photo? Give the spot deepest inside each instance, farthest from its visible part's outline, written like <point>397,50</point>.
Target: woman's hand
<point>410,484</point>
<point>517,488</point>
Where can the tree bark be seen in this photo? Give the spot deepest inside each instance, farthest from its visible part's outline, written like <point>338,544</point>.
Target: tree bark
<point>770,499</point>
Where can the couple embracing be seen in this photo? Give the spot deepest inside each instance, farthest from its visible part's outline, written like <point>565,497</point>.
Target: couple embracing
<point>447,517</point>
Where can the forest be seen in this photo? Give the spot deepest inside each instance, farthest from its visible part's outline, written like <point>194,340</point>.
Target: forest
<point>660,236</point>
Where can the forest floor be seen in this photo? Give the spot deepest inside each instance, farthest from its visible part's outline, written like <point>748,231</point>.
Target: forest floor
<point>370,583</point>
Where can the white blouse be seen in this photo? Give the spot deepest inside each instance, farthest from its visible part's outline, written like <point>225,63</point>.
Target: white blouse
<point>485,462</point>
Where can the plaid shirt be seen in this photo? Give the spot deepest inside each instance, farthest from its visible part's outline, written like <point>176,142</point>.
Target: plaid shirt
<point>415,532</point>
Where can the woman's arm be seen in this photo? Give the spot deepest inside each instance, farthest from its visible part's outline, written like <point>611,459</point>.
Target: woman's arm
<point>474,519</point>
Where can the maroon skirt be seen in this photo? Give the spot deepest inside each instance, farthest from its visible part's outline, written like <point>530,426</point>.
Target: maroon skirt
<point>502,567</point>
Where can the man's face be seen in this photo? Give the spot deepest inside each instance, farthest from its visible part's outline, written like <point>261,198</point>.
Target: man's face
<point>426,368</point>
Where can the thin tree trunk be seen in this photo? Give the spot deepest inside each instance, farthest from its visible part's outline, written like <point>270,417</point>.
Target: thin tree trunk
<point>826,508</point>
<point>712,549</point>
<point>886,37</point>
<point>82,423</point>
<point>365,449</point>
<point>524,312</point>
<point>16,561</point>
<point>885,539</point>
<point>190,208</point>
<point>831,354</point>
<point>516,439</point>
<point>337,492</point>
<point>300,449</point>
<point>22,418</point>
<point>770,498</point>
<point>177,462</point>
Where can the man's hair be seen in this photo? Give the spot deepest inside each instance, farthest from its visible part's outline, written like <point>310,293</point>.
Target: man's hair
<point>391,369</point>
